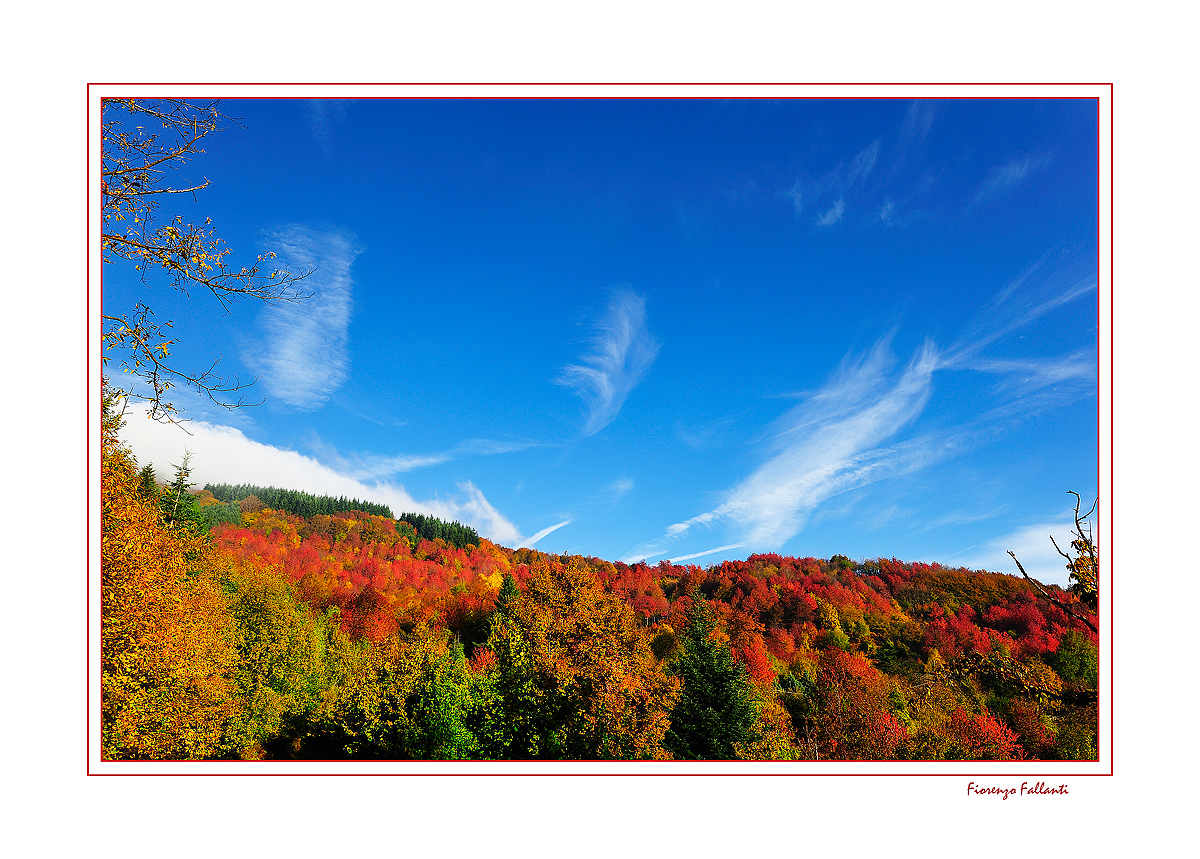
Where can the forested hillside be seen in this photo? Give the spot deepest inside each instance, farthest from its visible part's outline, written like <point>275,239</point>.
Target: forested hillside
<point>268,633</point>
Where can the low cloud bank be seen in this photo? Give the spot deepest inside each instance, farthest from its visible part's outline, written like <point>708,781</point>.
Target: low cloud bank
<point>224,454</point>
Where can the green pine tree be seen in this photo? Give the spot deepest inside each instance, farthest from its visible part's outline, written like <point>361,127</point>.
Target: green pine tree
<point>178,505</point>
<point>148,481</point>
<point>717,708</point>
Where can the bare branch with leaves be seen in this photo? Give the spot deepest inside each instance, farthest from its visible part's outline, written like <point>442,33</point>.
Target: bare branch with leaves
<point>136,166</point>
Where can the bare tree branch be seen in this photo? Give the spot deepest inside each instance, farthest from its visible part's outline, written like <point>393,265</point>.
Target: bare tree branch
<point>1084,567</point>
<point>1065,606</point>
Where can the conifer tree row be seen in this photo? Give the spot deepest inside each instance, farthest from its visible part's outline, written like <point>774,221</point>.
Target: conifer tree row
<point>295,502</point>
<point>431,528</point>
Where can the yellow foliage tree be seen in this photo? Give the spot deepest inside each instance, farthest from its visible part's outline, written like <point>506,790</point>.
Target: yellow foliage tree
<point>167,638</point>
<point>576,678</point>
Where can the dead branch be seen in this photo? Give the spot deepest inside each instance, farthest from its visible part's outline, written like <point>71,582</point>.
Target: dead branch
<point>1069,608</point>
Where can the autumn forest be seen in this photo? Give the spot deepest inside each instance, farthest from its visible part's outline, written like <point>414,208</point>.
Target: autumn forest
<point>325,629</point>
<point>245,622</point>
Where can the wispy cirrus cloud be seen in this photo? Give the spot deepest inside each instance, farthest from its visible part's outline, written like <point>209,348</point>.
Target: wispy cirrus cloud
<point>621,351</point>
<point>870,181</point>
<point>1008,175</point>
<point>619,488</point>
<point>1005,315</point>
<point>695,555</point>
<point>372,466</point>
<point>303,354</point>
<point>470,506</point>
<point>862,165</point>
<point>830,443</point>
<point>491,447</point>
<point>322,115</point>
<point>839,437</point>
<point>1078,367</point>
<point>529,542</point>
<point>832,215</point>
<point>705,434</point>
<point>830,191</point>
<point>917,124</point>
<point>867,180</point>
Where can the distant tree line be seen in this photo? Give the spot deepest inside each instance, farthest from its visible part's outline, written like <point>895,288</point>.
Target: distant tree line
<point>431,528</point>
<point>295,502</point>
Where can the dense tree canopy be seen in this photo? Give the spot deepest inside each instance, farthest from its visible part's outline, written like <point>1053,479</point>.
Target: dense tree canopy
<point>349,635</point>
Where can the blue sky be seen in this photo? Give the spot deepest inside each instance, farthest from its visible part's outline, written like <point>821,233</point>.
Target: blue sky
<point>683,329</point>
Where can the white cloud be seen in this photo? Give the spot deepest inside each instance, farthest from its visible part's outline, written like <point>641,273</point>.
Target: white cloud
<point>796,195</point>
<point>471,507</point>
<point>1007,175</point>
<point>376,466</point>
<point>991,325</point>
<point>619,489</point>
<point>322,114</point>
<point>528,542</point>
<point>827,445</point>
<point>840,182</point>
<point>490,447</point>
<point>683,558</point>
<point>1032,546</point>
<point>832,215</point>
<point>917,123</point>
<point>622,350</point>
<point>863,164</point>
<point>372,466</point>
<point>1032,375</point>
<point>635,557</point>
<point>302,355</point>
<point>835,440</point>
<point>223,454</point>
<point>706,433</point>
<point>1017,282</point>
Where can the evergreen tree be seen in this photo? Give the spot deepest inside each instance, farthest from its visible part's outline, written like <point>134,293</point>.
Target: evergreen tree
<point>177,503</point>
<point>717,708</point>
<point>218,514</point>
<point>148,482</point>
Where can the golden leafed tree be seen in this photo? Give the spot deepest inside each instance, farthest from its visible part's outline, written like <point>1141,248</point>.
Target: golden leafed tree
<point>167,649</point>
